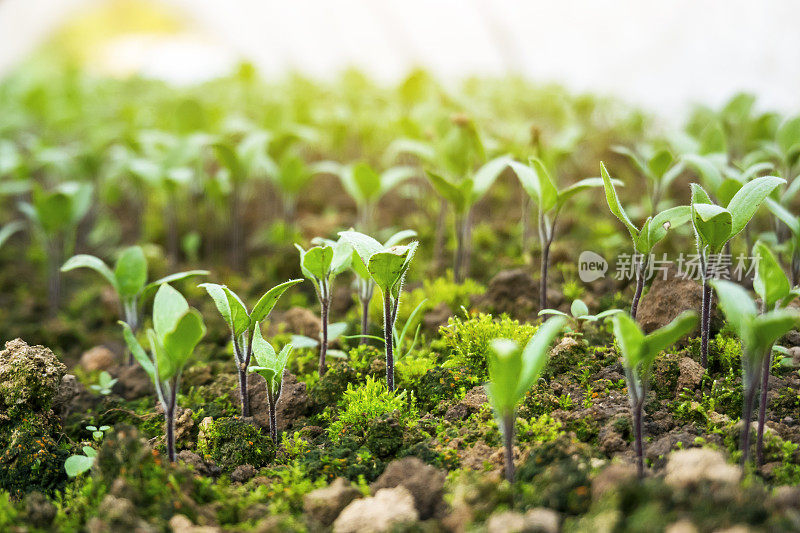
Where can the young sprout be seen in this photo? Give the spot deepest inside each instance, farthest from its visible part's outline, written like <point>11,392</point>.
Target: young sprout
<point>656,164</point>
<point>98,432</point>
<point>321,265</point>
<point>793,223</point>
<point>536,180</point>
<point>579,314</point>
<point>512,371</point>
<point>129,280</point>
<point>76,465</point>
<point>104,384</point>
<point>758,332</point>
<point>645,238</point>
<point>714,226</point>
<point>639,351</point>
<point>387,267</point>
<point>55,215</point>
<point>177,329</point>
<point>243,324</point>
<point>365,286</point>
<point>772,286</point>
<point>270,365</point>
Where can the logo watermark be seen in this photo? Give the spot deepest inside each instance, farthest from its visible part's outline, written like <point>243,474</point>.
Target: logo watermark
<point>592,266</point>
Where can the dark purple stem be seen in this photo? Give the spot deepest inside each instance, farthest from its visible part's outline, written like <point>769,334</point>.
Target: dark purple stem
<point>387,336</point>
<point>762,408</point>
<point>508,435</point>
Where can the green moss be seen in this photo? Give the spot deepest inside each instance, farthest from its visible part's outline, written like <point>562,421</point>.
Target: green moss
<point>468,340</point>
<point>346,458</point>
<point>442,383</point>
<point>29,378</point>
<point>31,458</point>
<point>231,442</point>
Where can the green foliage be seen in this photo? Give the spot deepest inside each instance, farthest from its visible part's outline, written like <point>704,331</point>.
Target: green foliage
<point>579,313</point>
<point>468,340</point>
<point>104,383</point>
<point>231,442</point>
<point>76,465</point>
<point>31,458</point>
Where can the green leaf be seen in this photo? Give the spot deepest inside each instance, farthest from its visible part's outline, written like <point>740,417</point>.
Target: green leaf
<point>240,318</point>
<point>660,163</point>
<point>165,367</point>
<point>664,337</point>
<point>791,221</point>
<point>667,220</point>
<point>788,137</point>
<point>708,172</point>
<point>387,267</point>
<point>131,272</point>
<point>364,245</point>
<point>393,176</point>
<point>630,339</point>
<point>230,160</point>
<point>736,303</point>
<point>267,302</point>
<point>770,282</point>
<point>488,174</point>
<point>399,236</point>
<point>138,352</point>
<point>168,308</point>
<point>362,182</point>
<point>699,194</point>
<point>342,256</point>
<point>578,186</point>
<point>95,263</point>
<point>548,193</point>
<point>614,205</point>
<point>171,278</point>
<point>8,230</point>
<point>771,326</point>
<point>217,293</point>
<point>448,191</point>
<point>534,355</point>
<point>316,261</point>
<point>749,198</point>
<point>713,224</point>
<point>181,342</point>
<point>505,365</point>
<point>578,308</point>
<point>76,465</point>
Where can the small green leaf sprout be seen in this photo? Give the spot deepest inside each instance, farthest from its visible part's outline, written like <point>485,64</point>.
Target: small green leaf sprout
<point>714,226</point>
<point>177,329</point>
<point>98,432</point>
<point>129,280</point>
<point>655,163</point>
<point>645,238</point>
<point>320,265</point>
<point>270,365</point>
<point>512,371</point>
<point>75,465</point>
<point>579,314</point>
<point>243,325</point>
<point>639,351</point>
<point>104,383</point>
<point>387,267</point>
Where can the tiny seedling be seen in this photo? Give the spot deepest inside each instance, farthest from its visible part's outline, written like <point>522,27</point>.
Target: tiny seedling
<point>387,267</point>
<point>129,280</point>
<point>645,238</point>
<point>639,351</point>
<point>75,465</point>
<point>512,371</point>
<point>270,365</point>
<point>537,182</point>
<point>772,286</point>
<point>55,215</point>
<point>714,226</point>
<point>177,329</point>
<point>104,383</point>
<point>243,324</point>
<point>657,164</point>
<point>98,432</point>
<point>758,332</point>
<point>579,314</point>
<point>321,265</point>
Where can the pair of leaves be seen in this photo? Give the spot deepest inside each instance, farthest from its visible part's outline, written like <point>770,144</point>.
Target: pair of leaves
<point>177,329</point>
<point>269,363</point>
<point>129,277</point>
<point>60,208</point>
<point>580,311</point>
<point>386,266</point>
<point>76,465</point>
<point>512,371</point>
<point>658,165</point>
<point>716,225</point>
<point>363,183</point>
<point>757,331</point>
<point>654,229</point>
<point>324,261</point>
<point>234,311</point>
<point>640,350</point>
<point>537,182</point>
<point>464,193</point>
<point>770,281</point>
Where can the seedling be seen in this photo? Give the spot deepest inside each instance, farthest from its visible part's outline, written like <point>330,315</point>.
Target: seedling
<point>98,432</point>
<point>536,180</point>
<point>177,329</point>
<point>772,286</point>
<point>129,280</point>
<point>657,164</point>
<point>270,365</point>
<point>75,465</point>
<point>644,238</point>
<point>55,215</point>
<point>104,383</point>
<point>579,314</point>
<point>243,325</point>
<point>758,333</point>
<point>512,371</point>
<point>714,226</point>
<point>639,351</point>
<point>336,330</point>
<point>321,265</point>
<point>793,223</point>
<point>387,267</point>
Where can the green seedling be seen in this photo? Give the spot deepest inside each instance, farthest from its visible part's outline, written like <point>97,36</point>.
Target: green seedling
<point>270,365</point>
<point>336,330</point>
<point>512,371</point>
<point>387,267</point>
<point>104,383</point>
<point>758,332</point>
<point>639,351</point>
<point>772,286</point>
<point>321,265</point>
<point>55,215</point>
<point>365,185</point>
<point>714,226</point>
<point>243,324</point>
<point>793,223</point>
<point>644,238</point>
<point>98,432</point>
<point>537,182</point>
<point>579,314</point>
<point>129,280</point>
<point>177,329</point>
<point>75,465</point>
<point>657,165</point>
